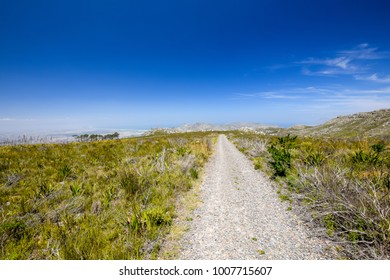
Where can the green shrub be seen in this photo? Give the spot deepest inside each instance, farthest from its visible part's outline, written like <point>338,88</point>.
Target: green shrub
<point>182,151</point>
<point>194,173</point>
<point>76,189</point>
<point>257,163</point>
<point>64,172</point>
<point>314,158</point>
<point>361,157</point>
<point>281,155</point>
<point>14,229</point>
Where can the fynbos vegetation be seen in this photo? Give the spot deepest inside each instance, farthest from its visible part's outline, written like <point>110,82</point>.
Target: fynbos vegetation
<point>112,199</point>
<point>344,185</point>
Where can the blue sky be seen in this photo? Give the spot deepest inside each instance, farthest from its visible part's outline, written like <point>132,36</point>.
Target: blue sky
<point>68,65</point>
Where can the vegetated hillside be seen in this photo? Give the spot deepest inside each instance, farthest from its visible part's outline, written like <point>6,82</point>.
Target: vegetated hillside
<point>369,124</point>
<point>110,199</point>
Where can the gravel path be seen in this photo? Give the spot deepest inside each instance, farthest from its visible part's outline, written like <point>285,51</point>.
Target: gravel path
<point>242,217</point>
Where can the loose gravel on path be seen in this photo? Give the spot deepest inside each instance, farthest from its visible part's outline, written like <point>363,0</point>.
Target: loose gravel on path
<point>242,217</point>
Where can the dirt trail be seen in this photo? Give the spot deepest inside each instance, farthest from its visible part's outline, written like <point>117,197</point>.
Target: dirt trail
<point>241,216</point>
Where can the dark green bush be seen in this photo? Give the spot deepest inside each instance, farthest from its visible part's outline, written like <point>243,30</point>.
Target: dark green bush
<point>281,155</point>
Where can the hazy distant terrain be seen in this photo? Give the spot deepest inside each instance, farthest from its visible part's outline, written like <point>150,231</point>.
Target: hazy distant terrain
<point>367,124</point>
<point>61,136</point>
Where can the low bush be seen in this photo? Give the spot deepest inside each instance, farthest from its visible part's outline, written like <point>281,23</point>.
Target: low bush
<point>281,154</point>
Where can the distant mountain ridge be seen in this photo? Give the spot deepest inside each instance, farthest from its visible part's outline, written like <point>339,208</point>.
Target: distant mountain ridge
<point>223,127</point>
<point>253,127</point>
<point>366,124</point>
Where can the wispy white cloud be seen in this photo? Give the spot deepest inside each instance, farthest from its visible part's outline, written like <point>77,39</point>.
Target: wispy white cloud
<point>346,62</point>
<point>289,95</point>
<point>247,94</point>
<point>364,52</point>
<point>329,72</point>
<point>275,95</point>
<point>376,91</point>
<point>353,99</point>
<point>279,66</point>
<point>347,100</point>
<point>356,102</point>
<point>374,77</point>
<point>330,97</point>
<point>16,120</point>
<point>342,62</point>
<point>242,96</point>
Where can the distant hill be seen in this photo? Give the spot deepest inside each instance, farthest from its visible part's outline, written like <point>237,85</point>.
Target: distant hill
<point>252,127</point>
<point>369,124</point>
<point>223,127</point>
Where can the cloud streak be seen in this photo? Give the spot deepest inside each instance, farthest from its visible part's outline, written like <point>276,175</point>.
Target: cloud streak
<point>326,97</point>
<point>281,95</point>
<point>348,62</point>
<point>374,78</point>
<point>338,62</point>
<point>364,52</point>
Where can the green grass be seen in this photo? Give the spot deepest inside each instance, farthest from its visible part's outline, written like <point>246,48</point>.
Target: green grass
<point>110,199</point>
